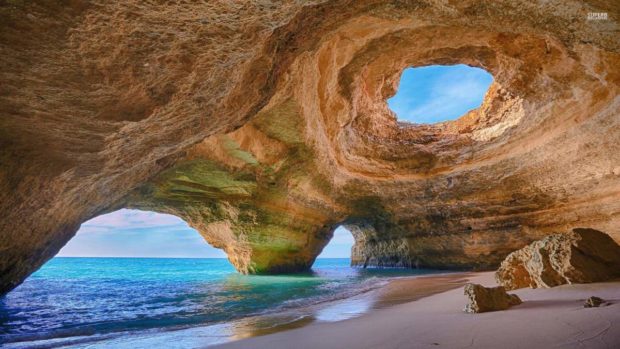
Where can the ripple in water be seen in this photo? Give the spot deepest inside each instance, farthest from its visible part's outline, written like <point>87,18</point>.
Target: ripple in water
<point>81,300</point>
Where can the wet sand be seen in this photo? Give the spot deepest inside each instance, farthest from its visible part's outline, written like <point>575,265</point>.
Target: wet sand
<point>405,290</point>
<point>426,312</point>
<point>397,291</point>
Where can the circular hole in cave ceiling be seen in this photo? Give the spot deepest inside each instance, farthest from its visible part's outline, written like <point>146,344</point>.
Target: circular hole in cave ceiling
<point>438,93</point>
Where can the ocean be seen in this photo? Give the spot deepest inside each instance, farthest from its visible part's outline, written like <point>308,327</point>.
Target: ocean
<point>138,302</point>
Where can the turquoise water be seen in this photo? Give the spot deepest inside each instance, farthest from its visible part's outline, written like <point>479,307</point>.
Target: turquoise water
<point>90,297</point>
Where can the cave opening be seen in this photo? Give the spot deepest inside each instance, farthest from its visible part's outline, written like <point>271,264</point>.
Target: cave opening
<point>131,233</point>
<point>439,93</point>
<point>339,246</point>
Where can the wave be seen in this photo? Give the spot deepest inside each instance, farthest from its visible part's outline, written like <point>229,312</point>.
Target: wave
<point>95,310</point>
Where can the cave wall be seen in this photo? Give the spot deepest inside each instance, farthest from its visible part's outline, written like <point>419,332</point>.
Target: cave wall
<point>264,125</point>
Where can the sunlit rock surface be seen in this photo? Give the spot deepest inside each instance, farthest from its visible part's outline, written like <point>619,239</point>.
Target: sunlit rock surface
<point>482,299</point>
<point>264,125</point>
<point>579,256</point>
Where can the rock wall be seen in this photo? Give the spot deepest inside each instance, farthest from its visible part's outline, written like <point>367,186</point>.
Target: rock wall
<point>265,126</point>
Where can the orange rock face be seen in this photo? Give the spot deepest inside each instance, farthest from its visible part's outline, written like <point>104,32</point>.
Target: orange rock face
<point>482,299</point>
<point>579,256</point>
<point>265,126</point>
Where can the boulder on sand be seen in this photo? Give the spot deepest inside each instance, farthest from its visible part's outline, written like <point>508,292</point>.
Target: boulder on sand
<point>593,302</point>
<point>580,256</point>
<point>483,299</point>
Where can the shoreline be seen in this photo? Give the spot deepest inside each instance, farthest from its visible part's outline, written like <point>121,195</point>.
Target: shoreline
<point>358,302</point>
<point>553,317</point>
<point>398,290</point>
<point>423,311</point>
<point>409,289</point>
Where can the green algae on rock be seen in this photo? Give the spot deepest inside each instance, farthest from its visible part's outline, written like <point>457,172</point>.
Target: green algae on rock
<point>266,127</point>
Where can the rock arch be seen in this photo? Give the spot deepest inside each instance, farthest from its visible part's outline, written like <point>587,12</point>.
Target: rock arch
<point>265,126</point>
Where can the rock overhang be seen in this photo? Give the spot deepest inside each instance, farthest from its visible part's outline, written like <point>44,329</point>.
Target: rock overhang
<point>267,134</point>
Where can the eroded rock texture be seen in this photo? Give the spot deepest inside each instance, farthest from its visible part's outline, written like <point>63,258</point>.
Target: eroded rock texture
<point>593,302</point>
<point>264,125</point>
<point>580,256</point>
<point>482,299</point>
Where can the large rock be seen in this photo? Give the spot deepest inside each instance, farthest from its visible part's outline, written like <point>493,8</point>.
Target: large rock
<point>579,256</point>
<point>482,299</point>
<point>593,302</point>
<point>264,125</point>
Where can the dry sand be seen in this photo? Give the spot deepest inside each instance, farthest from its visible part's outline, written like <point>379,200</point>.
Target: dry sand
<point>548,318</point>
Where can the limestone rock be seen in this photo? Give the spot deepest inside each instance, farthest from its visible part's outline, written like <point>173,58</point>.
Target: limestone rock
<point>580,256</point>
<point>483,299</point>
<point>593,302</point>
<point>265,126</point>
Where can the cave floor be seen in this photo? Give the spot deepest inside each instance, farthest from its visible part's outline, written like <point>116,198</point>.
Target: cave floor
<point>547,318</point>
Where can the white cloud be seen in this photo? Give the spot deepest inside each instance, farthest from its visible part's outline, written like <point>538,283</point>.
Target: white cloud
<point>449,99</point>
<point>126,219</point>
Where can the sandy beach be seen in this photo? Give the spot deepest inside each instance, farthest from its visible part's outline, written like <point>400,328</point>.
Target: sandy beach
<point>548,318</point>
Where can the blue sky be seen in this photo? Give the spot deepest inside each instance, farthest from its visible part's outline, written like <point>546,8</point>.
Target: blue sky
<point>438,93</point>
<point>339,246</point>
<point>425,95</point>
<point>134,233</point>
